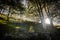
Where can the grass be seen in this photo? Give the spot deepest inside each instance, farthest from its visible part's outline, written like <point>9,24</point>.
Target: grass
<point>27,25</point>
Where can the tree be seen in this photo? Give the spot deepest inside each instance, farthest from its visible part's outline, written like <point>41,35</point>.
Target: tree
<point>43,6</point>
<point>10,5</point>
<point>31,10</point>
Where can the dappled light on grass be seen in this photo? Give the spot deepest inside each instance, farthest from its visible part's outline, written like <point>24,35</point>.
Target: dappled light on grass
<point>17,27</point>
<point>2,21</point>
<point>31,29</point>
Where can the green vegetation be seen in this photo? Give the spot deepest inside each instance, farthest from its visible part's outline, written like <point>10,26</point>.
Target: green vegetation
<point>16,17</point>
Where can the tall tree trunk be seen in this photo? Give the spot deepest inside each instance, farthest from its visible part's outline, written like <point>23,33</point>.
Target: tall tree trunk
<point>39,5</point>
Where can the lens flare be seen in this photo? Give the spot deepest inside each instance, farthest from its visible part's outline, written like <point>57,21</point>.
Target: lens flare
<point>47,21</point>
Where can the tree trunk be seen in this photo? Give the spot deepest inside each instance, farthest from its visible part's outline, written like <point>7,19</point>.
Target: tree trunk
<point>46,27</point>
<point>41,15</point>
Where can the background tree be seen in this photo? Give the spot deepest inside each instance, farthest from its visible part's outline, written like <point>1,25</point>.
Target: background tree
<point>10,5</point>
